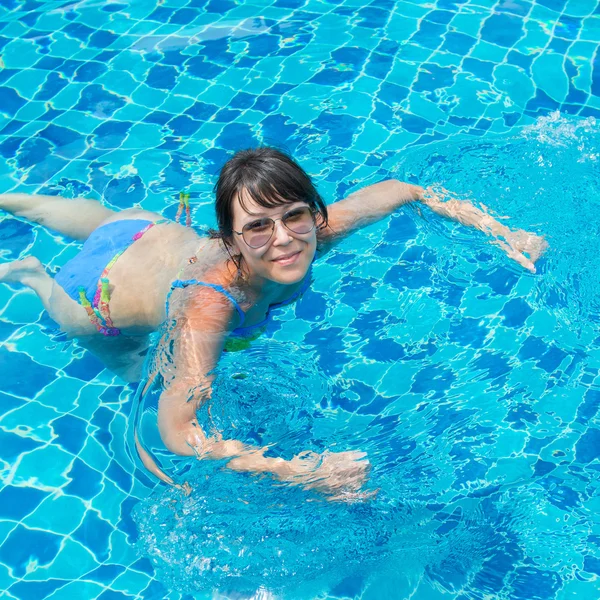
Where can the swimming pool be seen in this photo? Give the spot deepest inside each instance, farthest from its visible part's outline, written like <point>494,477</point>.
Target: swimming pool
<point>472,385</point>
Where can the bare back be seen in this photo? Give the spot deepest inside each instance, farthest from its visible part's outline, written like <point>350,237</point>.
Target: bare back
<point>142,277</point>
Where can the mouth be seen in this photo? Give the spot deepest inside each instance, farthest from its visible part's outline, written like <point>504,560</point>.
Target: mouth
<point>287,259</point>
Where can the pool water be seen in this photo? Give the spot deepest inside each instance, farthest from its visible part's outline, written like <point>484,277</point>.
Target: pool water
<point>472,385</point>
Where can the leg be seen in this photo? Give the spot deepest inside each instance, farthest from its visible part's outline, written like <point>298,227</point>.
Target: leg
<point>75,218</point>
<point>69,315</point>
<point>29,272</point>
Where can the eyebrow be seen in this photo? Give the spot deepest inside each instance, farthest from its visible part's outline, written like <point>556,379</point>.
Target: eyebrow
<point>262,215</point>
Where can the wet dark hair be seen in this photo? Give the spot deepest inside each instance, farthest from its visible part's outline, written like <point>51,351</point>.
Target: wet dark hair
<point>271,178</point>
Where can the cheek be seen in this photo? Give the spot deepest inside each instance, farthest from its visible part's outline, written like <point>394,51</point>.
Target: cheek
<point>253,257</point>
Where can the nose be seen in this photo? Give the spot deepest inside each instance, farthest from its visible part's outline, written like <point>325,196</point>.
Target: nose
<point>281,235</point>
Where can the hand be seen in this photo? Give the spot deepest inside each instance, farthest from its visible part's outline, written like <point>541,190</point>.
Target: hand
<point>524,248</point>
<point>338,473</point>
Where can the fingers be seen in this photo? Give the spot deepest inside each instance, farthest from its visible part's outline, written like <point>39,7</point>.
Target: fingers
<point>515,255</point>
<point>538,250</point>
<point>523,242</point>
<point>185,487</point>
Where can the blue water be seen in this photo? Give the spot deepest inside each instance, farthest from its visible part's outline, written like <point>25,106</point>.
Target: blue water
<point>472,385</point>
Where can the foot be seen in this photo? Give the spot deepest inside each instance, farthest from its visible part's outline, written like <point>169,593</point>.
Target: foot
<point>21,271</point>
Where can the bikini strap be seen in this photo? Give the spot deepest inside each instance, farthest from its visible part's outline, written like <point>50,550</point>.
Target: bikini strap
<point>183,284</point>
<point>184,204</point>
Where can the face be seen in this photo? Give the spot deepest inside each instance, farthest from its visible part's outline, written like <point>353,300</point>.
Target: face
<point>287,256</point>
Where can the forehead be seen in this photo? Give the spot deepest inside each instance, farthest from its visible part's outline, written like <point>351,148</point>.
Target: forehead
<point>245,206</point>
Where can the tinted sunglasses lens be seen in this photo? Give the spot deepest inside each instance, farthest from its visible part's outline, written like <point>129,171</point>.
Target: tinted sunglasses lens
<point>258,234</point>
<point>300,220</point>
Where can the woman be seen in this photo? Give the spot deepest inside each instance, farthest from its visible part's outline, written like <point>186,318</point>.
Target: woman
<point>136,271</point>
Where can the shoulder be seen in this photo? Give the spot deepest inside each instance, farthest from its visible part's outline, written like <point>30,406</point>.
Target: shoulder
<point>208,299</point>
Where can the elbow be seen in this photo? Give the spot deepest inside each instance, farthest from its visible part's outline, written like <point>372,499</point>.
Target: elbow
<point>183,439</point>
<point>407,192</point>
<point>178,445</point>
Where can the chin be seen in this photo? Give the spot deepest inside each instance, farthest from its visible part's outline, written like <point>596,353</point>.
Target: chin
<point>292,274</point>
<point>288,278</point>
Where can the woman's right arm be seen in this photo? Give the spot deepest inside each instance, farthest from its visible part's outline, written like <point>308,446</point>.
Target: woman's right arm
<point>197,346</point>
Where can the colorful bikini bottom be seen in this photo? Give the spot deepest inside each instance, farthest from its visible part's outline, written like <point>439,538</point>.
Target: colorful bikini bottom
<point>85,277</point>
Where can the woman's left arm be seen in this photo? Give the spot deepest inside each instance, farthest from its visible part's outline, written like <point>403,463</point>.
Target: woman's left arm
<point>375,202</point>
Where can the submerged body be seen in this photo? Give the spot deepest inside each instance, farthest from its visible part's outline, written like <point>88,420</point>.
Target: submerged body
<point>137,271</point>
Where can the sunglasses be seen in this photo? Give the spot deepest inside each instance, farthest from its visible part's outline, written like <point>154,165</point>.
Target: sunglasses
<point>258,233</point>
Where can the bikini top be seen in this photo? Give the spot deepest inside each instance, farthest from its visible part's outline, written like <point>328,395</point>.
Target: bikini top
<point>242,331</point>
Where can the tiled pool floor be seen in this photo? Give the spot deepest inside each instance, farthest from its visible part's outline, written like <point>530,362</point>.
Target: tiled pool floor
<point>133,102</point>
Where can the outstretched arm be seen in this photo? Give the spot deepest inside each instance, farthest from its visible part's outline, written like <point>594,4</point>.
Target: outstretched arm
<point>375,202</point>
<point>196,349</point>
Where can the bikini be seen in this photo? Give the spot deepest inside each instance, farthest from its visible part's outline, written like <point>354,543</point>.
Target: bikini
<point>85,277</point>
<point>240,331</point>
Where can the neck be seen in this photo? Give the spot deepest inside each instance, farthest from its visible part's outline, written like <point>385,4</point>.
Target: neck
<point>262,285</point>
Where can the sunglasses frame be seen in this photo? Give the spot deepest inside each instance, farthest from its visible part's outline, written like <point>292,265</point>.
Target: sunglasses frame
<point>273,221</point>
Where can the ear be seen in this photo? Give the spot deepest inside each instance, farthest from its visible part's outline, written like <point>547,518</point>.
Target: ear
<point>319,220</point>
<point>233,244</point>
<point>232,247</point>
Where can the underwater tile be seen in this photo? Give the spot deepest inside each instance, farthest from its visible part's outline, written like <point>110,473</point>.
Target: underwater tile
<point>370,136</point>
<point>580,8</point>
<point>11,101</point>
<point>21,366</point>
<point>86,367</point>
<point>517,86</point>
<point>36,589</point>
<point>26,82</point>
<point>590,30</point>
<point>17,502</point>
<point>82,122</point>
<point>121,550</point>
<point>587,448</point>
<point>61,393</point>
<point>32,110</point>
<point>70,433</point>
<point>130,582</point>
<point>77,589</point>
<point>548,75</point>
<point>108,502</point>
<point>58,513</point>
<point>118,82</point>
<point>94,533</point>
<point>148,97</point>
<point>94,456</point>
<point>51,21</point>
<point>143,135</point>
<point>45,466</point>
<point>6,527</point>
<point>63,46</point>
<point>295,70</point>
<point>30,419</point>
<point>491,53</point>
<point>469,23</point>
<point>502,29</point>
<point>20,54</point>
<point>26,545</point>
<point>154,591</point>
<point>576,587</point>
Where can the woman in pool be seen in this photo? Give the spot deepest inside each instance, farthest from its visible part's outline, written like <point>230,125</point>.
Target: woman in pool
<point>137,270</point>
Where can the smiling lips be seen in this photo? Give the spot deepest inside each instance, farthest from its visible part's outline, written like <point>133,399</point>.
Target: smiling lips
<point>287,259</point>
